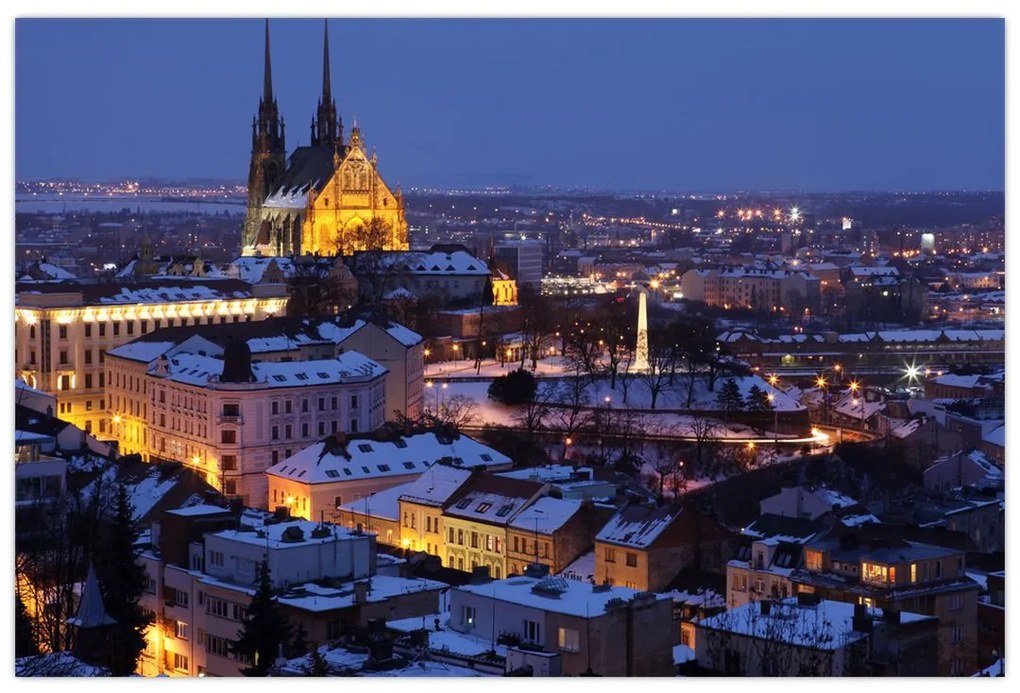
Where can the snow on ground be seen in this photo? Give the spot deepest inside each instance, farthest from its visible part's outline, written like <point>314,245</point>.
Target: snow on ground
<point>488,411</point>
<point>446,639</point>
<point>638,396</point>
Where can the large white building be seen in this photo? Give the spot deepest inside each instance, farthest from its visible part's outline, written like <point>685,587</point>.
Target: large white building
<point>217,410</point>
<point>63,330</point>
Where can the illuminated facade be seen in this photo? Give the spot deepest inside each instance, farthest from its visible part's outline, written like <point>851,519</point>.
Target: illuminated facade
<point>326,198</point>
<point>63,331</point>
<point>182,403</point>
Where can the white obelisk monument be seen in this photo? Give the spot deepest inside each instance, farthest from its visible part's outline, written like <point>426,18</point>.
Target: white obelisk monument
<point>640,364</point>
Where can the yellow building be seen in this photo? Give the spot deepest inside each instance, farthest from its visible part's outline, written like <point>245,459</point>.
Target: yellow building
<point>63,330</point>
<point>326,198</point>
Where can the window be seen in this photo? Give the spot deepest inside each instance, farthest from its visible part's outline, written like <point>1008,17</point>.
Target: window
<point>145,326</point>
<point>275,456</point>
<point>102,329</point>
<point>956,601</point>
<point>322,428</point>
<point>913,572</point>
<point>450,532</point>
<point>490,542</point>
<point>483,507</point>
<point>88,330</point>
<point>63,358</point>
<point>813,560</point>
<point>610,555</point>
<point>216,558</point>
<point>304,406</point>
<point>275,435</point>
<point>872,572</point>
<point>287,406</point>
<point>181,630</point>
<point>88,386</point>
<point>231,410</point>
<point>338,501</point>
<point>567,639</point>
<point>88,356</point>
<point>460,537</point>
<point>631,560</point>
<point>938,569</point>
<point>354,425</point>
<point>180,661</point>
<point>287,431</point>
<point>957,633</point>
<point>130,328</point>
<point>333,402</point>
<point>759,586</point>
<point>532,631</point>
<point>116,329</point>
<point>467,616</point>
<point>62,331</point>
<point>228,436</point>
<point>474,540</point>
<point>354,401</point>
<point>217,646</point>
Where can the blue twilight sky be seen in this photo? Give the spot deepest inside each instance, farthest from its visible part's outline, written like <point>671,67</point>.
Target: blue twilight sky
<point>679,104</point>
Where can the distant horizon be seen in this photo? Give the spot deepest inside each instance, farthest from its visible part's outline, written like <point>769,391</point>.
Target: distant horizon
<point>531,186</point>
<point>813,105</point>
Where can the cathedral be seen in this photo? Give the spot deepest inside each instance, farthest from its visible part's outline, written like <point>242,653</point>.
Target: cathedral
<point>328,197</point>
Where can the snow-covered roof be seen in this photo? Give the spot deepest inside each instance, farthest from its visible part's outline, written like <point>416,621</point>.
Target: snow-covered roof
<point>364,458</point>
<point>436,487</point>
<point>252,269</point>
<point>954,380</point>
<point>446,639</point>
<point>827,625</point>
<point>55,271</point>
<point>997,436</point>
<point>547,473</point>
<point>861,271</point>
<point>858,408</point>
<point>145,352</point>
<point>457,262</point>
<point>570,596</point>
<point>170,294</point>
<point>638,525</point>
<point>349,367</point>
<point>200,509</point>
<point>546,515</point>
<point>383,504</point>
<point>271,536</point>
<point>583,568</point>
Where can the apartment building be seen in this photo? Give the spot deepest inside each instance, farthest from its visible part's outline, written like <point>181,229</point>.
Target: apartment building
<point>215,409</point>
<point>63,330</point>
<point>869,569</point>
<point>566,627</point>
<point>317,480</point>
<point>806,636</point>
<point>553,532</point>
<point>202,578</point>
<point>752,288</point>
<point>645,547</point>
<point>475,521</point>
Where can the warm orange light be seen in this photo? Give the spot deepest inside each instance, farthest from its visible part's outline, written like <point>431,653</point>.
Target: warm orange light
<point>820,382</point>
<point>854,385</point>
<point>569,441</point>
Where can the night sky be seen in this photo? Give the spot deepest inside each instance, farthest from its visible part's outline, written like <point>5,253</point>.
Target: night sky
<point>622,104</point>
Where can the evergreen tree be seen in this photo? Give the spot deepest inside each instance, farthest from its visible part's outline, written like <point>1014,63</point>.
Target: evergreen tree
<point>758,400</point>
<point>299,645</point>
<point>24,636</point>
<point>729,397</point>
<point>122,580</point>
<point>319,666</point>
<point>263,629</point>
<point>516,387</point>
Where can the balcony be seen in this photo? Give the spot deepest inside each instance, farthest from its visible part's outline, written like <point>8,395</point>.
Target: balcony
<point>230,419</point>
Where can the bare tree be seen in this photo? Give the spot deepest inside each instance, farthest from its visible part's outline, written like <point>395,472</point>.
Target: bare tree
<point>536,321</point>
<point>530,417</point>
<point>572,413</point>
<point>457,412</point>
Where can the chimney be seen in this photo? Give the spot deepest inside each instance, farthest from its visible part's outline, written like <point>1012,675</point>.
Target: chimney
<point>480,575</point>
<point>861,621</point>
<point>360,592</point>
<point>766,607</point>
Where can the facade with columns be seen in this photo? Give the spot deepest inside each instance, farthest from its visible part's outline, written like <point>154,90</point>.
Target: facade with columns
<point>326,198</point>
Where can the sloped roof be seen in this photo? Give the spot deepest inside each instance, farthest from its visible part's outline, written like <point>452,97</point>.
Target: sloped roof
<point>638,525</point>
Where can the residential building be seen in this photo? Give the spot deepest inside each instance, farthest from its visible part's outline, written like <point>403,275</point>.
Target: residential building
<point>645,547</point>
<point>553,532</point>
<point>970,468</point>
<point>320,478</point>
<point>522,261</point>
<point>809,637</point>
<point>420,507</point>
<point>566,627</point>
<point>215,409</point>
<point>63,330</point>
<point>476,518</point>
<point>991,614</point>
<point>893,574</point>
<point>202,576</point>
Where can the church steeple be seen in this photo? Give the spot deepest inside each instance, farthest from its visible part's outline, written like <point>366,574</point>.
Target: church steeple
<point>267,74</point>
<point>326,128</point>
<point>268,148</point>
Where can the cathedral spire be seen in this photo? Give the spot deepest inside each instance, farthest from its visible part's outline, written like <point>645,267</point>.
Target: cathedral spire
<point>267,86</point>
<point>326,97</point>
<point>326,129</point>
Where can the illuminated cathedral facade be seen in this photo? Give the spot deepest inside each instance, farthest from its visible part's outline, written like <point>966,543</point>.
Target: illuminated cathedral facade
<point>328,198</point>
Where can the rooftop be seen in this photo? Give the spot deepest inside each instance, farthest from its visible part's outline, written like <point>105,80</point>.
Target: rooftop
<point>331,461</point>
<point>564,596</point>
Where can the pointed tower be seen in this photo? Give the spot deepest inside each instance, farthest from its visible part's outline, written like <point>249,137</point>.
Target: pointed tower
<point>327,128</point>
<point>268,153</point>
<point>92,624</point>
